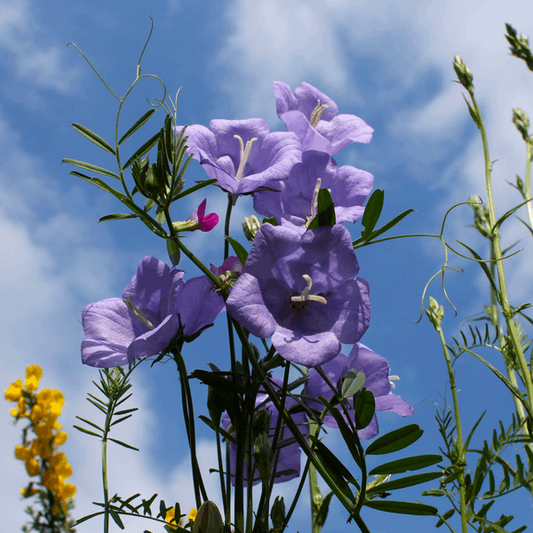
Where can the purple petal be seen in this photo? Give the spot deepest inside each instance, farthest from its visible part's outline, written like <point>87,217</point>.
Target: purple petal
<point>108,330</point>
<point>154,341</point>
<point>394,403</point>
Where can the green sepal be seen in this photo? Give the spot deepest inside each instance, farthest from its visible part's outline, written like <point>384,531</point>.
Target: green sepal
<point>239,249</point>
<point>395,440</point>
<point>402,507</point>
<point>416,462</point>
<point>94,138</point>
<point>270,220</point>
<point>90,167</point>
<point>325,211</point>
<point>137,125</point>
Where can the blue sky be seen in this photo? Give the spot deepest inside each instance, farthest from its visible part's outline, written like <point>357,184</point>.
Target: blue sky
<point>388,62</point>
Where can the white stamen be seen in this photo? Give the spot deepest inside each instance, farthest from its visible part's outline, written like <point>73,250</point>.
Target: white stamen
<point>392,379</point>
<point>245,154</point>
<point>317,114</point>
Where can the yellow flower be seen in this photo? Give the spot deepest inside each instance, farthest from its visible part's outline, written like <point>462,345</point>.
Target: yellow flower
<point>33,467</point>
<point>28,493</point>
<point>44,396</point>
<point>43,431</point>
<point>69,491</point>
<point>14,391</point>
<point>60,438</point>
<point>33,376</point>
<point>20,409</point>
<point>42,448</point>
<point>37,413</point>
<point>22,453</point>
<point>170,516</point>
<point>192,514</point>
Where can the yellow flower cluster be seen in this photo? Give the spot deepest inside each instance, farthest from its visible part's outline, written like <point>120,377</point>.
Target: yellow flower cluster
<point>40,454</point>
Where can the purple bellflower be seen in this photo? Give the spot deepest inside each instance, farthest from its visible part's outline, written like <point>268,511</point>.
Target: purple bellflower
<point>376,370</point>
<point>302,291</point>
<point>243,155</point>
<point>315,119</point>
<point>143,323</point>
<point>288,460</point>
<point>296,204</point>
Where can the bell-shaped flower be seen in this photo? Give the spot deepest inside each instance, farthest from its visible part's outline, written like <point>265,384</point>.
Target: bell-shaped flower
<point>296,203</point>
<point>377,381</point>
<point>315,119</point>
<point>288,453</point>
<point>301,290</point>
<point>243,155</point>
<point>155,305</point>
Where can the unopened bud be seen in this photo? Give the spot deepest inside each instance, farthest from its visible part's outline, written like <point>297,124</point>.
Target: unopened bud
<point>464,74</point>
<point>250,227</point>
<point>208,519</point>
<point>521,121</point>
<point>277,514</point>
<point>263,456</point>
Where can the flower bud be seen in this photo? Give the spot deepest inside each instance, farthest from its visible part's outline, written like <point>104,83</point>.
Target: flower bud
<point>521,121</point>
<point>208,519</point>
<point>264,456</point>
<point>277,514</point>
<point>250,227</point>
<point>464,74</point>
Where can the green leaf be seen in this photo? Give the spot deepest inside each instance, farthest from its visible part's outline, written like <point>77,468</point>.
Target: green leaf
<point>325,211</point>
<point>402,507</point>
<point>90,167</point>
<point>118,216</point>
<point>365,407</point>
<point>124,444</point>
<point>353,383</point>
<point>88,517</point>
<point>372,213</point>
<point>194,188</point>
<point>448,514</point>
<point>87,133</point>
<point>416,462</point>
<point>395,440</point>
<point>116,518</point>
<point>322,514</point>
<point>143,150</point>
<point>383,229</point>
<point>403,482</point>
<point>239,249</point>
<point>336,470</point>
<point>483,265</point>
<point>83,430</point>
<point>137,125</point>
<point>90,423</point>
<point>434,492</point>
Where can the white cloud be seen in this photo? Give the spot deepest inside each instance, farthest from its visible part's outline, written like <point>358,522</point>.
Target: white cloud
<point>19,36</point>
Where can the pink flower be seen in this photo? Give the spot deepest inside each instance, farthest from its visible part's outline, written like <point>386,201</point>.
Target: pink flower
<point>198,220</point>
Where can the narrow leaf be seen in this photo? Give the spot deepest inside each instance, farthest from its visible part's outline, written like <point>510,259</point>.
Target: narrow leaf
<point>137,125</point>
<point>402,507</point>
<point>143,150</point>
<point>91,167</point>
<point>239,249</point>
<point>365,407</point>
<point>117,216</point>
<point>83,430</point>
<point>124,444</point>
<point>416,462</point>
<point>403,482</point>
<point>96,139</point>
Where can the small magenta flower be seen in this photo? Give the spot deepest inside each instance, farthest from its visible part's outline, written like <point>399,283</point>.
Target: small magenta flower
<point>296,203</point>
<point>301,290</point>
<point>315,119</point>
<point>198,220</point>
<point>377,380</point>
<point>243,155</point>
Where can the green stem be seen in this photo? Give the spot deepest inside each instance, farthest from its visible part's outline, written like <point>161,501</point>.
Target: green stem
<point>460,446</point>
<point>517,351</point>
<point>226,226</point>
<point>529,146</point>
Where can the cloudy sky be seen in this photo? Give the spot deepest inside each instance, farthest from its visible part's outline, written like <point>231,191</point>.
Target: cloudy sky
<point>388,62</point>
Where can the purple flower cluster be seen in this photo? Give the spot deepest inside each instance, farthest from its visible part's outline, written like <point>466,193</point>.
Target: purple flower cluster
<point>300,285</point>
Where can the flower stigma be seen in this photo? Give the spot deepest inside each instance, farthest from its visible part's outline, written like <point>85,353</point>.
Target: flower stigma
<point>298,302</point>
<point>317,113</point>
<point>245,154</point>
<point>137,312</point>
